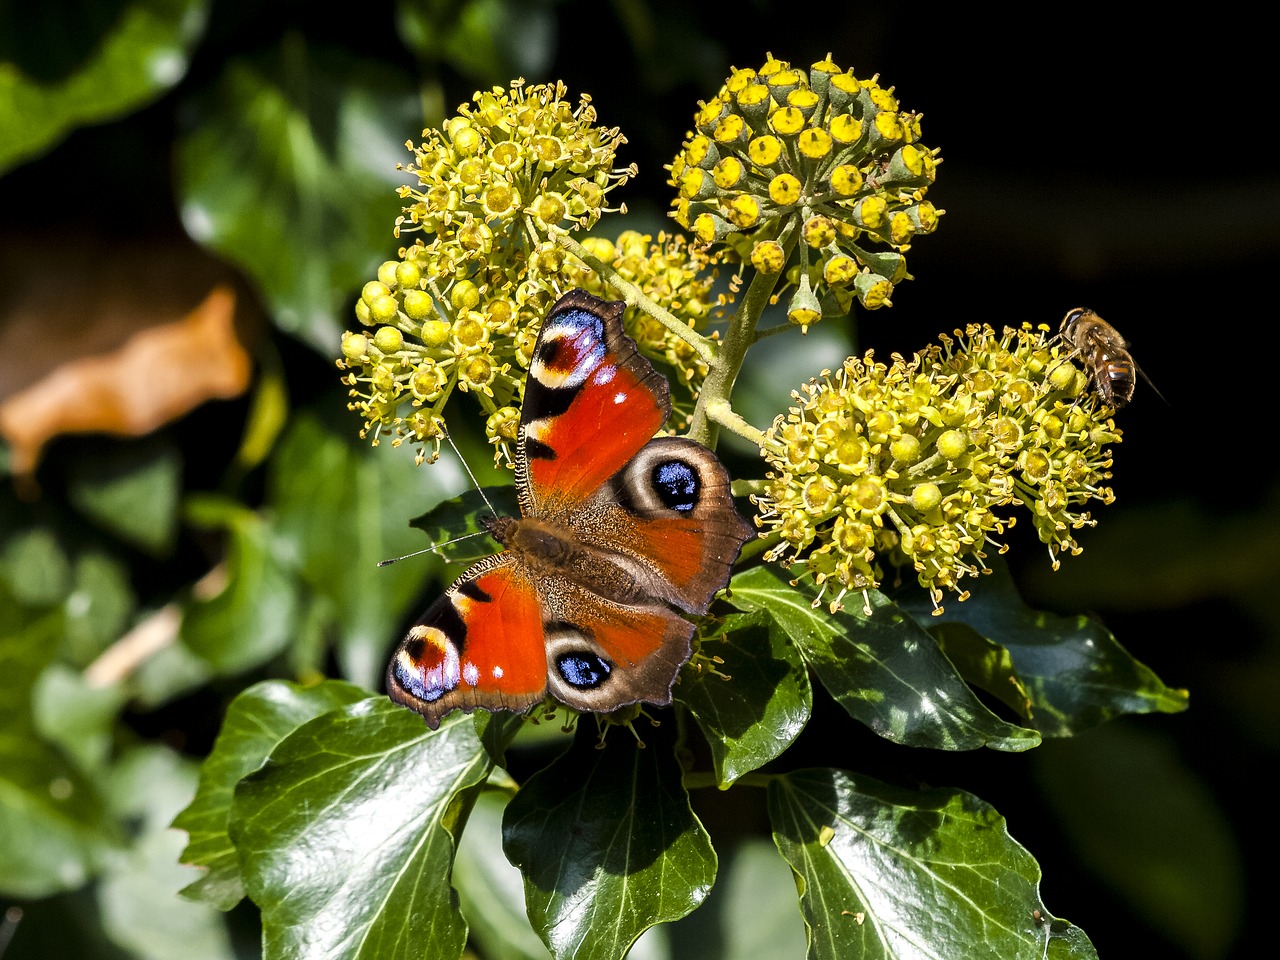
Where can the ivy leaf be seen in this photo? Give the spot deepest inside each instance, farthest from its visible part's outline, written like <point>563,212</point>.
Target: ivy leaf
<point>756,895</point>
<point>326,490</point>
<point>34,570</point>
<point>104,602</point>
<point>136,892</point>
<point>346,835</point>
<point>490,888</point>
<point>895,874</point>
<point>255,723</point>
<point>459,518</point>
<point>754,716</point>
<point>290,173</point>
<point>253,617</point>
<point>1074,673</point>
<point>77,716</point>
<point>132,490</point>
<point>485,40</point>
<point>884,669</point>
<point>608,845</point>
<point>54,831</point>
<point>122,65</point>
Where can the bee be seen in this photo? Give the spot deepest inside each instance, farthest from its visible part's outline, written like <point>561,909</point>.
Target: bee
<point>1105,354</point>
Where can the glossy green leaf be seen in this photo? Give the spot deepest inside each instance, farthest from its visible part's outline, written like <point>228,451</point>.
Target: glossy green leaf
<point>346,835</point>
<point>1151,830</point>
<point>53,828</point>
<point>290,173</point>
<point>488,41</point>
<point>459,523</point>
<point>137,892</point>
<point>891,873</point>
<point>255,723</point>
<point>608,844</point>
<point>339,508</point>
<point>490,888</point>
<point>254,616</point>
<point>754,715</point>
<point>884,669</point>
<point>117,66</point>
<point>1074,673</point>
<point>53,834</point>
<point>131,489</point>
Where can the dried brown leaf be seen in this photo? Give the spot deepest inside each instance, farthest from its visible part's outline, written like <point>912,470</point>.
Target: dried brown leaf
<point>158,374</point>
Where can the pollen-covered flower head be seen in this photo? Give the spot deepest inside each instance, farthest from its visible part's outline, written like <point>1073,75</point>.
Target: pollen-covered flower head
<point>813,173</point>
<point>669,271</point>
<point>922,461</point>
<point>459,309</point>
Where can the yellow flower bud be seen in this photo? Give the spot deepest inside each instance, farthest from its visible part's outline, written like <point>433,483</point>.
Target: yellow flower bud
<point>768,257</point>
<point>388,339</point>
<point>784,189</point>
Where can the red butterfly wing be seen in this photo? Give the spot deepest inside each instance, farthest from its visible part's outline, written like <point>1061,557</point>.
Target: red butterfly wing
<point>591,402</point>
<point>480,645</point>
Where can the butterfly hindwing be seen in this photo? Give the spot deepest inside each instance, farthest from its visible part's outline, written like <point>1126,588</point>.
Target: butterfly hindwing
<point>670,515</point>
<point>602,655</point>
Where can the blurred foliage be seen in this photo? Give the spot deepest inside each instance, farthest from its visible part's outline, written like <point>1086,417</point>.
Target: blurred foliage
<point>171,603</point>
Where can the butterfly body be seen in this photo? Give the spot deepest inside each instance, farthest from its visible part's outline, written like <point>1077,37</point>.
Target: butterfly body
<point>619,533</point>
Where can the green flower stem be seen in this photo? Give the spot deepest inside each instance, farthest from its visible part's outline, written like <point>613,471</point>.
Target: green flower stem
<point>447,392</point>
<point>727,363</point>
<point>438,300</point>
<point>925,466</point>
<point>720,412</point>
<point>634,296</point>
<point>748,488</point>
<point>772,331</point>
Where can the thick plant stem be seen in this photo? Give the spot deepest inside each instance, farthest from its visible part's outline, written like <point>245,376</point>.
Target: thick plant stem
<point>725,367</point>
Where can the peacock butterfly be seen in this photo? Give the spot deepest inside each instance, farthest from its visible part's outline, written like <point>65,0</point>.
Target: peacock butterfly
<point>620,532</point>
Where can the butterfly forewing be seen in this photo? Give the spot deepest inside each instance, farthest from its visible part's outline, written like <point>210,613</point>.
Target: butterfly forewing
<point>591,403</point>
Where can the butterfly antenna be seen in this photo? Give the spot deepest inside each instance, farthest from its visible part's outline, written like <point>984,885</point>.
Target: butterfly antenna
<point>434,548</point>
<point>475,483</point>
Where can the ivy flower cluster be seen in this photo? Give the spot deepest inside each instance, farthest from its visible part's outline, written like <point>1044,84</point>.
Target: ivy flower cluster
<point>919,460</point>
<point>670,272</point>
<point>459,309</point>
<point>804,173</point>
